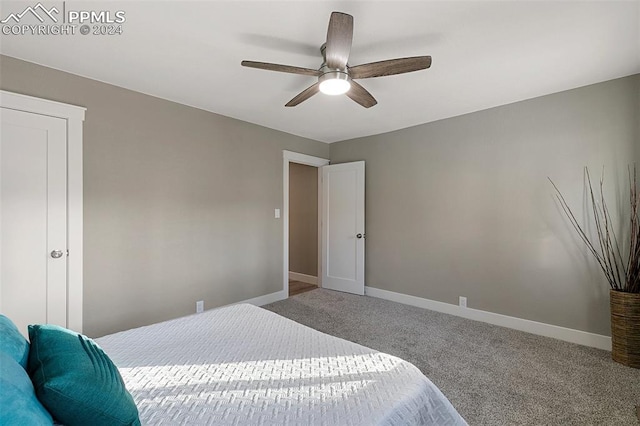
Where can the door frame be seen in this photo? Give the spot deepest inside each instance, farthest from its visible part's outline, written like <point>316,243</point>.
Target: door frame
<point>308,160</point>
<point>74,116</point>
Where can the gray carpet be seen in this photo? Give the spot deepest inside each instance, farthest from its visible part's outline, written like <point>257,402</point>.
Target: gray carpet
<point>492,375</point>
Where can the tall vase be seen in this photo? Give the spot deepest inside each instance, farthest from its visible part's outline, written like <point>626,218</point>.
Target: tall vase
<point>625,328</point>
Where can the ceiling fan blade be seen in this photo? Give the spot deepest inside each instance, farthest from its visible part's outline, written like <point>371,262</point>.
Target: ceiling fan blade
<point>390,67</point>
<point>280,68</point>
<point>339,38</point>
<point>360,95</point>
<point>304,95</point>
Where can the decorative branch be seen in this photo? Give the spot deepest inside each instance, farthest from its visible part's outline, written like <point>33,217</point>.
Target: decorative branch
<point>622,274</point>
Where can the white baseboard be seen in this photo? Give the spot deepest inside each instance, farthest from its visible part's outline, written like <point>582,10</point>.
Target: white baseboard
<point>309,279</point>
<point>266,299</point>
<point>562,333</point>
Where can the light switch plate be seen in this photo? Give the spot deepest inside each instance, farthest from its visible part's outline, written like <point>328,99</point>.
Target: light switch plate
<point>277,213</point>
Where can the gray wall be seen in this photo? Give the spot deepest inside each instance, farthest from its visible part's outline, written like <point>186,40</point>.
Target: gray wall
<point>178,202</point>
<point>638,137</point>
<point>462,207</point>
<point>303,219</point>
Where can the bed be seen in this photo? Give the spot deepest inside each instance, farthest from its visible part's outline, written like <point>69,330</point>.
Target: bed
<point>244,365</point>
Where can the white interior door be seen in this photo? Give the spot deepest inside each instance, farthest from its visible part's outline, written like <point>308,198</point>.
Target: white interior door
<point>33,218</point>
<point>343,227</point>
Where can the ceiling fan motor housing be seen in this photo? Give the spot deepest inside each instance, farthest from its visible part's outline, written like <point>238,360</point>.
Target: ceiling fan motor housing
<point>330,74</point>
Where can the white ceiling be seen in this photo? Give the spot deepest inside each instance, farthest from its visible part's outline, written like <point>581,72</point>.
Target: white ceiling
<point>484,53</point>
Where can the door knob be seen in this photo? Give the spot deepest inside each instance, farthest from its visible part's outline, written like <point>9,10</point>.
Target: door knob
<point>358,236</point>
<point>56,254</point>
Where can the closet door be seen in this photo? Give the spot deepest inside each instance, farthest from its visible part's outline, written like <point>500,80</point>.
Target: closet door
<point>33,218</point>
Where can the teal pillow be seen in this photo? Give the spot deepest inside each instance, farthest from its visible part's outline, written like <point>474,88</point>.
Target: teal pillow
<point>18,403</point>
<point>76,381</point>
<point>12,342</point>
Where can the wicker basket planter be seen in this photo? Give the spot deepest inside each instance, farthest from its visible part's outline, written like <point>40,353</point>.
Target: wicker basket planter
<point>625,328</point>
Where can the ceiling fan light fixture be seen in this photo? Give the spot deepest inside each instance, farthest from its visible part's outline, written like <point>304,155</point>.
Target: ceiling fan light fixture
<point>334,83</point>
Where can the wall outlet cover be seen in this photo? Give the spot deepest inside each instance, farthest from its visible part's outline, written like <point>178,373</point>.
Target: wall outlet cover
<point>462,301</point>
<point>199,306</point>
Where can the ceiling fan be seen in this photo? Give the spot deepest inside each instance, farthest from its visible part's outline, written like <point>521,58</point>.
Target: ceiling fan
<point>335,75</point>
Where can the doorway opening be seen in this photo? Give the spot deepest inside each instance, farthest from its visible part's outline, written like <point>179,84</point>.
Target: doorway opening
<point>303,228</point>
<point>302,237</point>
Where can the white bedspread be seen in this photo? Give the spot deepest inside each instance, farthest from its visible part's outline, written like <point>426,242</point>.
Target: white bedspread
<point>244,365</point>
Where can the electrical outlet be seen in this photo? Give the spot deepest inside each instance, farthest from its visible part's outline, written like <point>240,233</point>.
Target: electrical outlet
<point>463,301</point>
<point>199,306</point>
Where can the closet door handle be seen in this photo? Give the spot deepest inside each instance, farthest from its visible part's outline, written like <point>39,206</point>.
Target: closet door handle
<point>56,254</point>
